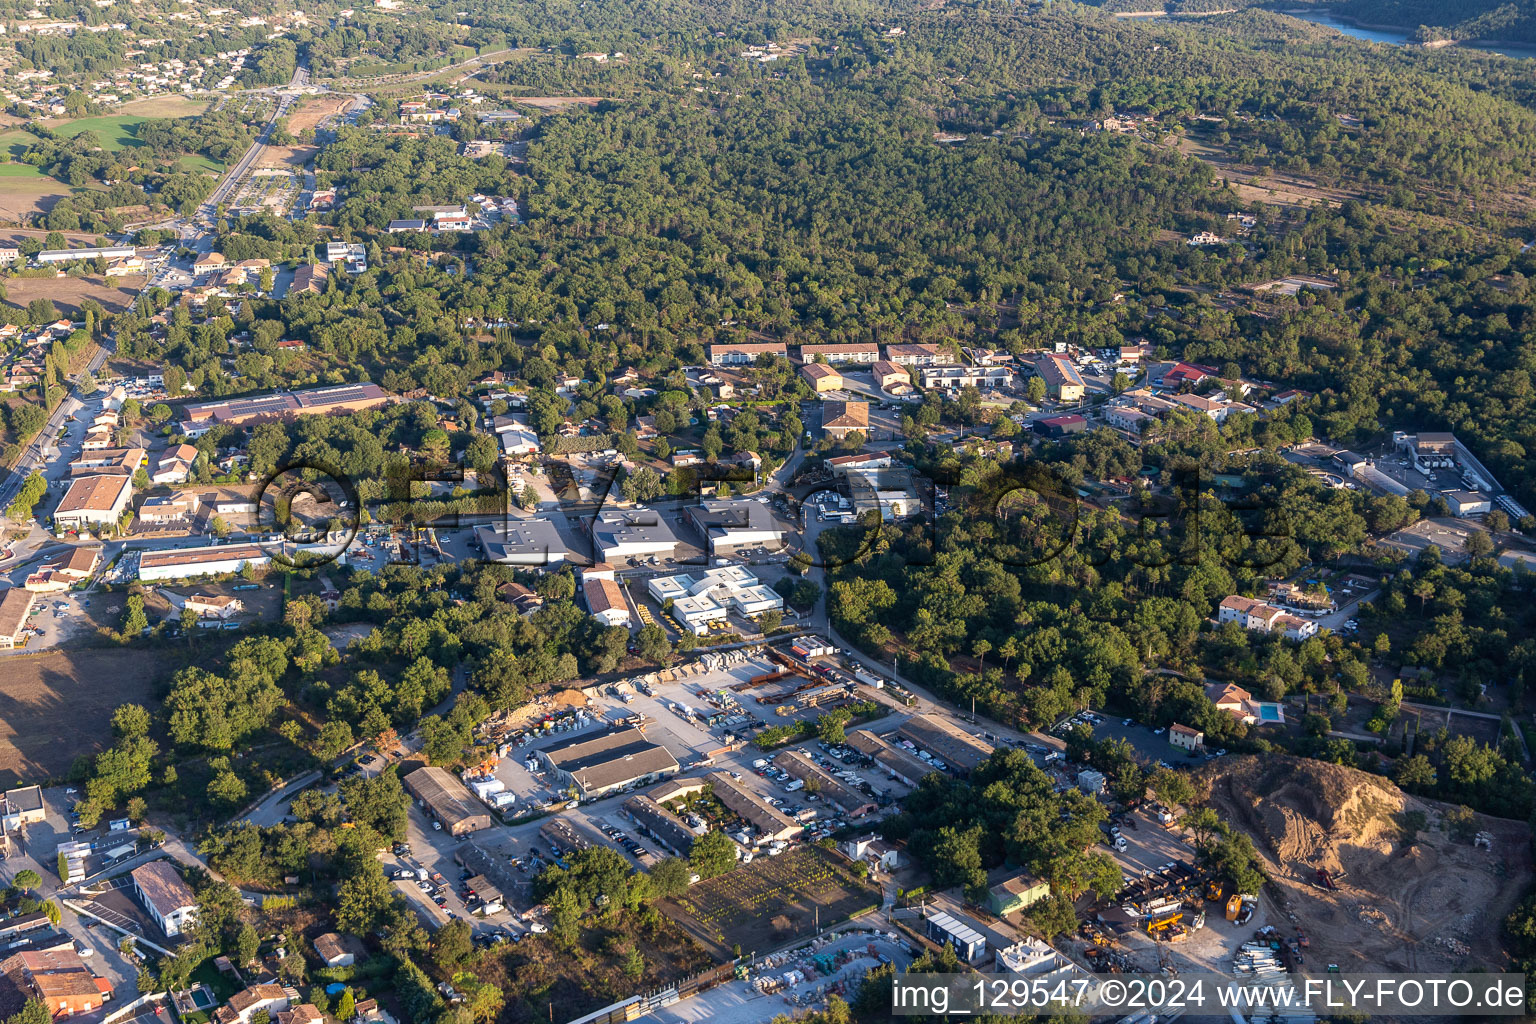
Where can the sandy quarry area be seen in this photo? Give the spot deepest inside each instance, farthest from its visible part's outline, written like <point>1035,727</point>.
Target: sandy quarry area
<point>1434,903</point>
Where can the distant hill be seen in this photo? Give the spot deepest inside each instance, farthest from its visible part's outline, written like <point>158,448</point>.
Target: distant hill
<point>1511,21</point>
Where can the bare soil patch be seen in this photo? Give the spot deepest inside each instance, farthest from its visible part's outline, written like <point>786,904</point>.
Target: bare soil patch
<point>57,705</point>
<point>313,111</point>
<point>286,156</point>
<point>115,294</point>
<point>1433,903</point>
<point>22,197</point>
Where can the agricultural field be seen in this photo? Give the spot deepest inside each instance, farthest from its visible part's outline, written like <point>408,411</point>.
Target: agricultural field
<point>54,705</point>
<point>775,900</point>
<point>25,190</point>
<point>115,294</point>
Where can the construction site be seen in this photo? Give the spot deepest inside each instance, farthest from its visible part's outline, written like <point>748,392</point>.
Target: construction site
<point>1368,891</point>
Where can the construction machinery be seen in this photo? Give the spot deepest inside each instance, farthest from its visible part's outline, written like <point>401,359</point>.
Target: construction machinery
<point>1327,880</point>
<point>1213,889</point>
<point>1234,907</point>
<point>1162,923</point>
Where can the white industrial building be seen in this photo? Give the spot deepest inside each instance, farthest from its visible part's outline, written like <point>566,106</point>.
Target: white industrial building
<point>106,252</point>
<point>709,597</point>
<point>185,563</point>
<point>535,543</point>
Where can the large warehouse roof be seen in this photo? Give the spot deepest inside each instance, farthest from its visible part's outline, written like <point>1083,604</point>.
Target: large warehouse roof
<point>448,799</point>
<point>946,741</point>
<point>610,758</point>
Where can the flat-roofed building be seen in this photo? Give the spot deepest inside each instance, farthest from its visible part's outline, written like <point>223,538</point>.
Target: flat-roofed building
<point>166,895</point>
<point>21,807</point>
<point>953,378</point>
<point>821,377</point>
<point>753,809</point>
<point>621,534</point>
<point>198,419</point>
<point>94,501</point>
<point>15,608</point>
<point>915,355</point>
<point>740,355</point>
<point>447,800</point>
<point>946,741</point>
<point>852,802</point>
<point>698,613</point>
<point>844,352</point>
<point>185,563</point>
<point>1062,381</point>
<point>729,524</point>
<point>535,543</point>
<point>608,761</point>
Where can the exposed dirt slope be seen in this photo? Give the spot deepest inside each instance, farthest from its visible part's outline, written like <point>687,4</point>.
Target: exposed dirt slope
<point>1431,903</point>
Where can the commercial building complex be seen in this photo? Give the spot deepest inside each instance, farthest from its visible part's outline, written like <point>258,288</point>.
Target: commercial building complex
<point>621,534</point>
<point>611,760</point>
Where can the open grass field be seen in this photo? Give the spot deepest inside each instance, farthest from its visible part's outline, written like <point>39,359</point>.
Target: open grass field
<point>114,133</point>
<point>200,164</point>
<point>16,143</point>
<point>115,294</point>
<point>57,705</point>
<point>774,900</point>
<point>165,106</point>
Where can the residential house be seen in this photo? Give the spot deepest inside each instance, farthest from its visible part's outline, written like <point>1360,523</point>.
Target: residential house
<point>244,1005</point>
<point>336,950</point>
<point>166,896</point>
<point>1185,738</point>
<point>175,465</point>
<point>744,354</point>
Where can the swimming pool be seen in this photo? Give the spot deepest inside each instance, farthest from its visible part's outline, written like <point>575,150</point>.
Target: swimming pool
<point>1271,713</point>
